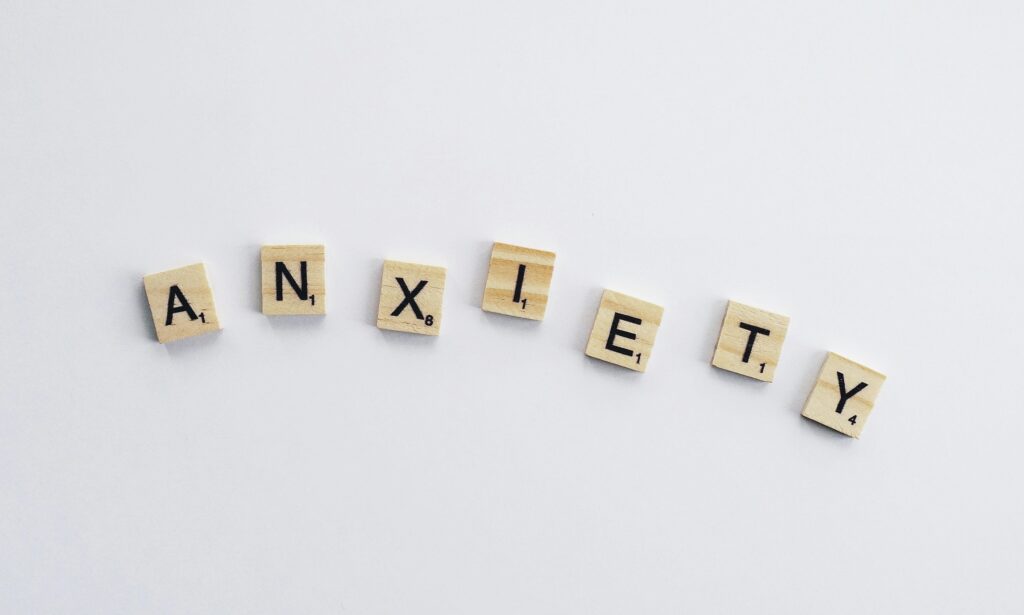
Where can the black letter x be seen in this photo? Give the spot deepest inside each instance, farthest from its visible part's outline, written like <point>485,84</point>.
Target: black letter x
<point>410,298</point>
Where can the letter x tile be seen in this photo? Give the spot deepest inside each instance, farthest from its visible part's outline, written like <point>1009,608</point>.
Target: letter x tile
<point>411,298</point>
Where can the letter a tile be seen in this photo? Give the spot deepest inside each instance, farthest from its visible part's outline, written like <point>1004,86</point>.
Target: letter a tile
<point>181,302</point>
<point>518,281</point>
<point>844,395</point>
<point>624,331</point>
<point>750,342</point>
<point>293,280</point>
<point>410,298</point>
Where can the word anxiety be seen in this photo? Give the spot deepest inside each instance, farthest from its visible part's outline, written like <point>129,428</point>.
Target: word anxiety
<point>518,284</point>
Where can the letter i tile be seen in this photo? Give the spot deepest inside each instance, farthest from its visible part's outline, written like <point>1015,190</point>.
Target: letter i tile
<point>518,281</point>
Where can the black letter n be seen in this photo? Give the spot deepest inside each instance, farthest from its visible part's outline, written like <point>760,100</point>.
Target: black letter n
<point>281,272</point>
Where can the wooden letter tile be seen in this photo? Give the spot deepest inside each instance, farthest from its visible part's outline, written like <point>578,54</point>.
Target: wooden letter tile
<point>181,302</point>
<point>624,331</point>
<point>410,298</point>
<point>750,342</point>
<point>843,395</point>
<point>293,280</point>
<point>518,281</point>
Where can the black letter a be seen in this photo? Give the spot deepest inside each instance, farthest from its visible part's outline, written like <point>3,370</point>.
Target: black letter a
<point>176,294</point>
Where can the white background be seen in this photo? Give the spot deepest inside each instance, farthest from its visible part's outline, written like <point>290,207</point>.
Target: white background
<point>855,165</point>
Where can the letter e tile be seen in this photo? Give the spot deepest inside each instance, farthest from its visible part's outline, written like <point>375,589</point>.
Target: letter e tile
<point>624,331</point>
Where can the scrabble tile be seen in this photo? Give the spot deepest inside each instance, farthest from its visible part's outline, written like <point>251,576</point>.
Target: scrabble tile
<point>293,280</point>
<point>844,395</point>
<point>624,331</point>
<point>518,281</point>
<point>750,342</point>
<point>181,302</point>
<point>410,298</point>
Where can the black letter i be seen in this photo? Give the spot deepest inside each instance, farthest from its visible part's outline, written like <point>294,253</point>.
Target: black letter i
<point>518,296</point>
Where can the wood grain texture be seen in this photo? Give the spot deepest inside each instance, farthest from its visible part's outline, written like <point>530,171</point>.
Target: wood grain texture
<point>186,293</point>
<point>752,334</point>
<point>623,341</point>
<point>840,377</point>
<point>289,302</point>
<point>428,300</point>
<point>503,276</point>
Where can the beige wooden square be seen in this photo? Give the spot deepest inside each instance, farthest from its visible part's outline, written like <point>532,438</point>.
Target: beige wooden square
<point>181,302</point>
<point>293,280</point>
<point>844,395</point>
<point>518,281</point>
<point>411,298</point>
<point>624,331</point>
<point>750,342</point>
